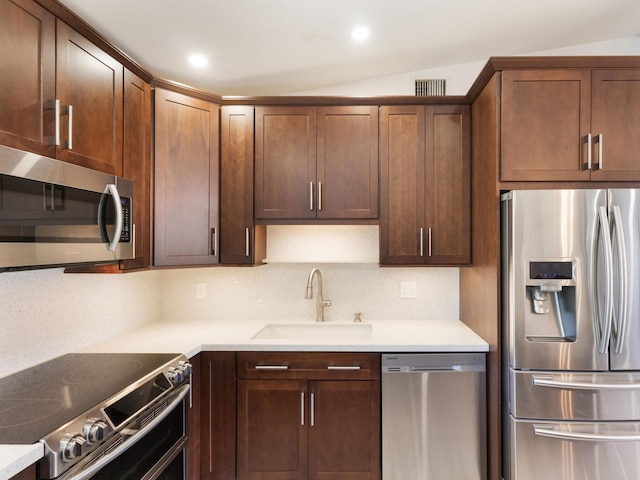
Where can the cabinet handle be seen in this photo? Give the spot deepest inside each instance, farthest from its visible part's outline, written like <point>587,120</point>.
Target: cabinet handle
<point>55,106</point>
<point>421,242</point>
<point>68,111</point>
<point>598,140</point>
<point>247,242</point>
<point>312,407</point>
<point>343,367</point>
<point>319,196</point>
<point>271,367</point>
<point>429,237</point>
<point>587,140</point>
<point>214,240</point>
<point>310,195</point>
<point>302,408</point>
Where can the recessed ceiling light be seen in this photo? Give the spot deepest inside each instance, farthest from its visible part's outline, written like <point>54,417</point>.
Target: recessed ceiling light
<point>197,60</point>
<point>360,34</point>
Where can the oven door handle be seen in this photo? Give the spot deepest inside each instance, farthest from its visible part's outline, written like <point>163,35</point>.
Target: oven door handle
<point>130,439</point>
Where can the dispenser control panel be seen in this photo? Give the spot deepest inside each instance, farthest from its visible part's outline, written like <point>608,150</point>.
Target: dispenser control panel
<point>551,270</point>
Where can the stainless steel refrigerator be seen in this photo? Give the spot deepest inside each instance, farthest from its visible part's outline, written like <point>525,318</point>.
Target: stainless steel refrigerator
<point>571,334</point>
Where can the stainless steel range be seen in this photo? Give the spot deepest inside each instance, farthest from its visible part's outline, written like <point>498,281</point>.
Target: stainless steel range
<point>101,415</point>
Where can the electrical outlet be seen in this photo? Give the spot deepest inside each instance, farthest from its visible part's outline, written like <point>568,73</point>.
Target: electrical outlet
<point>408,290</point>
<point>201,291</point>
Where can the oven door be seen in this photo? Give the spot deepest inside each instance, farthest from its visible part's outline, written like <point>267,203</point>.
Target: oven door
<point>157,451</point>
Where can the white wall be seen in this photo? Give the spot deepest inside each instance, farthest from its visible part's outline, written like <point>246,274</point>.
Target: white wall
<point>461,77</point>
<point>45,313</point>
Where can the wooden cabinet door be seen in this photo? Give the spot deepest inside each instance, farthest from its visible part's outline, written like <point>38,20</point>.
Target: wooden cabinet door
<point>90,83</point>
<point>217,425</point>
<point>27,76</point>
<point>448,177</point>
<point>186,180</point>
<point>347,162</point>
<point>344,430</point>
<point>285,162</point>
<point>137,163</point>
<point>195,411</point>
<point>272,418</point>
<point>402,184</point>
<point>241,242</point>
<point>28,473</point>
<point>545,121</point>
<point>615,114</point>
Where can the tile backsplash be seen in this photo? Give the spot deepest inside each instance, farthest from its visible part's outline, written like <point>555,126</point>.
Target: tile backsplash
<point>46,313</point>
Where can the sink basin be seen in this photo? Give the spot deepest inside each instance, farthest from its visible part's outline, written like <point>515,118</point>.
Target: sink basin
<point>314,331</point>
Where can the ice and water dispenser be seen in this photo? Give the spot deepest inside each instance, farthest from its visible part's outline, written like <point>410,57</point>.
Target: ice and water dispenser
<point>551,294</point>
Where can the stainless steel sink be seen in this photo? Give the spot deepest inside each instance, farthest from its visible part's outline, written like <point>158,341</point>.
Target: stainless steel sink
<point>314,331</point>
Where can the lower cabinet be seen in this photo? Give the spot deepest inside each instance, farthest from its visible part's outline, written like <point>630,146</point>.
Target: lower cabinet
<point>308,416</point>
<point>28,473</point>
<point>217,423</point>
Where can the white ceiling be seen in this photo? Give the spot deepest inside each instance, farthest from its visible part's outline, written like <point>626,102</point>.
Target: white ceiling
<point>273,47</point>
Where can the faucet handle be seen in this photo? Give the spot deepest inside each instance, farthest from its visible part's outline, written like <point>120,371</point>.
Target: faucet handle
<point>358,317</point>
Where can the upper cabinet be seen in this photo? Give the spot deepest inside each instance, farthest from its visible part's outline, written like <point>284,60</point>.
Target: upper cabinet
<point>570,125</point>
<point>347,169</point>
<point>241,242</point>
<point>137,164</point>
<point>425,185</point>
<point>285,162</point>
<point>27,76</point>
<point>316,163</point>
<point>62,96</point>
<point>89,89</point>
<point>186,204</point>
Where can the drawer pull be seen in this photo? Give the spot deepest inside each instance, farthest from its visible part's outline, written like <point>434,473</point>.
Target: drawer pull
<point>339,367</point>
<point>271,367</point>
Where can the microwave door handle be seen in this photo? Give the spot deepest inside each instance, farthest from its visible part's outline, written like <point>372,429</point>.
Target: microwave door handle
<point>113,190</point>
<point>622,316</point>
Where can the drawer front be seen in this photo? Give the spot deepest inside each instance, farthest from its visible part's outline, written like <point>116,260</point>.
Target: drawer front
<point>573,451</point>
<point>606,396</point>
<point>308,365</point>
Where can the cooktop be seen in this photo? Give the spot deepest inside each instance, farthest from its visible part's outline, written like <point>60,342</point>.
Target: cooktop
<point>40,399</point>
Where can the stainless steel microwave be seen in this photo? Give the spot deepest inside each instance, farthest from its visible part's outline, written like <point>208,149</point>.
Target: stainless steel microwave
<point>54,213</point>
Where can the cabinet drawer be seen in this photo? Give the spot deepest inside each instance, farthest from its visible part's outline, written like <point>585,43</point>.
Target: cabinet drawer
<point>308,366</point>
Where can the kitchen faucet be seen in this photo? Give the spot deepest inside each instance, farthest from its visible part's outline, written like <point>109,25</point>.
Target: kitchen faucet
<point>320,302</point>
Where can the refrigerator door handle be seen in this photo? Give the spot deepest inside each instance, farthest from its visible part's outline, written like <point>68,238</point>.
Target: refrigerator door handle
<point>620,316</point>
<point>548,381</point>
<point>602,319</point>
<point>548,431</point>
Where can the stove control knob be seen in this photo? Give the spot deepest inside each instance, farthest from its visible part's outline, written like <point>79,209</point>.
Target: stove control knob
<point>95,430</point>
<point>71,446</point>
<point>175,375</point>
<point>186,367</point>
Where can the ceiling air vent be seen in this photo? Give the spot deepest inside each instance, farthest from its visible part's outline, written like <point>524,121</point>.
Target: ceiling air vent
<point>431,87</point>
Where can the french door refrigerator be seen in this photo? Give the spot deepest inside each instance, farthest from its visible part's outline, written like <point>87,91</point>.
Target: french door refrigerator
<point>571,334</point>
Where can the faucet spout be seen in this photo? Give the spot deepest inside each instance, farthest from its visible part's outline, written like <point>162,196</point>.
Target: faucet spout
<point>321,303</point>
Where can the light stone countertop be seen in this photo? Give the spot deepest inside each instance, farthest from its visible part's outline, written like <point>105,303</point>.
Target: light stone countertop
<point>193,337</point>
<point>15,458</point>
